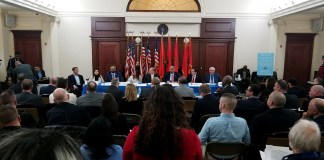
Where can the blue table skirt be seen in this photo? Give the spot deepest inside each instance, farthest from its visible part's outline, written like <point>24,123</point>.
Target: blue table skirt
<point>103,89</point>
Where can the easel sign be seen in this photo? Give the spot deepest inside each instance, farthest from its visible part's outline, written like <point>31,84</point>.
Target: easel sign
<point>265,64</point>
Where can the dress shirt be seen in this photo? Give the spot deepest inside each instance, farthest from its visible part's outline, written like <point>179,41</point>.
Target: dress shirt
<point>172,77</point>
<point>40,75</point>
<point>211,80</point>
<point>225,129</point>
<point>77,79</point>
<point>113,75</point>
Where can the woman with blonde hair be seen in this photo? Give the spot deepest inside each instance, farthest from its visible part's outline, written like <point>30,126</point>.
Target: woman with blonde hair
<point>130,103</point>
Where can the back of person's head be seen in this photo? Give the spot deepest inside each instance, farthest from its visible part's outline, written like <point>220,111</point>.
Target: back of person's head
<point>255,88</point>
<point>182,80</point>
<point>109,106</point>
<point>20,77</point>
<point>227,80</point>
<point>91,86</point>
<point>271,82</point>
<point>304,136</point>
<point>131,92</point>
<point>9,116</point>
<point>62,83</point>
<point>36,144</point>
<point>318,81</point>
<point>115,82</point>
<point>8,97</point>
<point>293,81</point>
<point>204,88</point>
<point>319,104</point>
<point>155,81</point>
<point>60,95</point>
<point>98,137</point>
<point>53,81</point>
<point>277,99</point>
<point>17,63</point>
<point>228,100</point>
<point>27,84</point>
<point>282,84</point>
<point>317,90</point>
<point>158,133</point>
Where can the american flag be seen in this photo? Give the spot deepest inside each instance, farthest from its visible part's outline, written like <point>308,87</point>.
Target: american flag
<point>133,65</point>
<point>128,61</point>
<point>148,57</point>
<point>156,56</point>
<point>143,60</point>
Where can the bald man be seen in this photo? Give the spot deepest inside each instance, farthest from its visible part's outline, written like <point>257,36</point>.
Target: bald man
<point>212,77</point>
<point>316,91</point>
<point>276,119</point>
<point>315,112</point>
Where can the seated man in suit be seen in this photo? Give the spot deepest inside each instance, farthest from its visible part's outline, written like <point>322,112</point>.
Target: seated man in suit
<point>112,74</point>
<point>148,77</point>
<point>193,77</point>
<point>47,90</point>
<point>207,105</point>
<point>226,128</point>
<point>92,98</point>
<point>76,82</point>
<point>113,89</point>
<point>183,90</point>
<point>26,97</point>
<point>171,76</point>
<point>8,97</point>
<point>316,91</point>
<point>9,120</point>
<point>228,87</point>
<point>65,113</point>
<point>292,101</point>
<point>17,87</point>
<point>252,106</point>
<point>277,119</point>
<point>315,112</point>
<point>39,73</point>
<point>212,77</point>
<point>146,92</point>
<point>245,78</point>
<point>294,89</point>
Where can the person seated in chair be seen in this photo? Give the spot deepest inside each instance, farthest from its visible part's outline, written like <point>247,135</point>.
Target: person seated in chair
<point>9,120</point>
<point>114,74</point>
<point>171,76</point>
<point>245,78</point>
<point>39,73</point>
<point>228,87</point>
<point>26,97</point>
<point>292,101</point>
<point>91,98</point>
<point>47,90</point>
<point>194,77</point>
<point>183,90</point>
<point>212,77</point>
<point>149,77</point>
<point>315,112</point>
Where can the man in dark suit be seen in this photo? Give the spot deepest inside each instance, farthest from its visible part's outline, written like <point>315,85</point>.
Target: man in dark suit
<point>12,62</point>
<point>228,87</point>
<point>252,106</point>
<point>50,88</point>
<point>113,73</point>
<point>315,112</point>
<point>171,76</point>
<point>65,113</point>
<point>17,87</point>
<point>294,89</point>
<point>193,77</point>
<point>292,101</point>
<point>39,73</point>
<point>76,81</point>
<point>113,89</point>
<point>26,97</point>
<point>245,78</point>
<point>26,69</point>
<point>148,77</point>
<point>146,92</point>
<point>209,104</point>
<point>212,77</point>
<point>277,119</point>
<point>92,98</point>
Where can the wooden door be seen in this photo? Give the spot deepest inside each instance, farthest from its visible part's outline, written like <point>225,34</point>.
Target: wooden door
<point>216,56</point>
<point>298,59</point>
<point>28,43</point>
<point>109,54</point>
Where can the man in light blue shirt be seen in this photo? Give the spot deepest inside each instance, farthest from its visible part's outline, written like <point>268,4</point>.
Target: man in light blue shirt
<point>226,128</point>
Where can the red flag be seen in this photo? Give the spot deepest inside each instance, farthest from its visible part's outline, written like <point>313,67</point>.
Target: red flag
<point>143,61</point>
<point>190,55</point>
<point>156,57</point>
<point>176,56</point>
<point>185,60</point>
<point>161,67</point>
<point>169,54</point>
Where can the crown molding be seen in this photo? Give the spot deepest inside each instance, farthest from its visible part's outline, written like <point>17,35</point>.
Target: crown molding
<point>31,6</point>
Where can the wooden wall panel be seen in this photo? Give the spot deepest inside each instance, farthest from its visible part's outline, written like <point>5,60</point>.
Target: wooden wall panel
<point>218,28</point>
<point>107,27</point>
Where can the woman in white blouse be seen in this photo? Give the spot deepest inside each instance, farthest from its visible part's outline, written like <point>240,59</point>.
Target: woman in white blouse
<point>96,77</point>
<point>135,78</point>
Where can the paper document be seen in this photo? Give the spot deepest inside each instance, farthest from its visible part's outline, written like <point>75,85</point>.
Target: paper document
<point>274,152</point>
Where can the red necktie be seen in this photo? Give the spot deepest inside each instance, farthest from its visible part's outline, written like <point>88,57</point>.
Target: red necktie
<point>193,79</point>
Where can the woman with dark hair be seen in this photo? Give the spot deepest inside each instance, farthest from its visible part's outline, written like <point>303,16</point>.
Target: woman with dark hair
<point>110,111</point>
<point>99,143</point>
<point>163,132</point>
<point>130,103</point>
<point>270,82</point>
<point>96,76</point>
<point>135,77</point>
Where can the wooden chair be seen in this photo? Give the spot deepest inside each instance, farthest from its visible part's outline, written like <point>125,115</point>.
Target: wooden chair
<point>215,150</point>
<point>189,105</point>
<point>278,139</point>
<point>132,119</point>
<point>204,118</point>
<point>120,139</point>
<point>45,99</point>
<point>33,110</point>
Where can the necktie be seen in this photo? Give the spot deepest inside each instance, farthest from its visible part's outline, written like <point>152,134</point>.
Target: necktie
<point>113,75</point>
<point>193,79</point>
<point>210,79</point>
<point>172,77</point>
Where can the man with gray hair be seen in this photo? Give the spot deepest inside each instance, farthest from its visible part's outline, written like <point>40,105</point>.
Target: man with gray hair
<point>113,89</point>
<point>304,140</point>
<point>183,90</point>
<point>276,119</point>
<point>212,77</point>
<point>146,92</point>
<point>315,112</point>
<point>316,91</point>
<point>149,77</point>
<point>92,98</point>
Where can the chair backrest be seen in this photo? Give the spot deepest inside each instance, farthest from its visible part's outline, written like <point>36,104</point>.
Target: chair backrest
<point>120,139</point>
<point>204,118</point>
<point>76,132</point>
<point>132,119</point>
<point>224,150</point>
<point>45,99</point>
<point>93,111</point>
<point>189,105</point>
<point>301,101</point>
<point>33,110</point>
<point>278,139</point>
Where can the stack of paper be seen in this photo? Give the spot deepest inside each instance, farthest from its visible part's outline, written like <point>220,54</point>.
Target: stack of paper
<point>274,152</point>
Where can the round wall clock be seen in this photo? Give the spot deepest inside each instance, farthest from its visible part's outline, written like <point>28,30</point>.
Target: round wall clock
<point>162,29</point>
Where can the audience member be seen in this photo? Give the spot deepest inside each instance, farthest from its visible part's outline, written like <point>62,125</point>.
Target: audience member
<point>26,97</point>
<point>194,77</point>
<point>8,97</point>
<point>270,82</point>
<point>47,90</point>
<point>320,72</point>
<point>98,142</point>
<point>109,109</point>
<point>293,89</point>
<point>76,82</point>
<point>91,98</point>
<point>39,73</point>
<point>146,92</point>
<point>245,78</point>
<point>304,140</point>
<point>277,119</point>
<point>316,91</point>
<point>163,132</point>
<point>130,103</point>
<point>26,69</point>
<point>135,77</point>
<point>226,128</point>
<point>96,77</point>
<point>212,77</point>
<point>151,74</point>
<point>17,87</point>
<point>65,113</point>
<point>114,74</point>
<point>9,120</point>
<point>207,105</point>
<point>183,90</point>
<point>228,87</point>
<point>39,144</point>
<point>171,76</point>
<point>292,101</point>
<point>62,83</point>
<point>315,112</point>
<point>113,89</point>
<point>318,81</point>
<point>8,83</point>
<point>252,106</point>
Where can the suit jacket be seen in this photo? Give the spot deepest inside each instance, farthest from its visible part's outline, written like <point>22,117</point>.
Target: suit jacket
<point>247,109</point>
<point>297,91</point>
<point>117,75</point>
<point>16,88</point>
<point>147,78</point>
<point>197,80</point>
<point>217,78</point>
<point>230,89</point>
<point>209,104</point>
<point>27,98</point>
<point>42,73</point>
<point>90,99</point>
<point>26,69</point>
<point>320,121</point>
<point>47,90</point>
<point>271,121</point>
<point>11,63</point>
<point>146,92</point>
<point>292,101</point>
<point>134,107</point>
<point>184,91</point>
<point>67,114</point>
<point>72,81</point>
<point>166,77</point>
<point>240,71</point>
<point>304,107</point>
<point>115,92</point>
